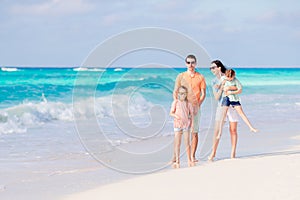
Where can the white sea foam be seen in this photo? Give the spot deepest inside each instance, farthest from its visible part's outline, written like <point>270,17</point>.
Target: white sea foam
<point>19,118</point>
<point>118,69</point>
<point>97,70</point>
<point>80,69</point>
<point>89,69</point>
<point>136,110</point>
<point>9,69</point>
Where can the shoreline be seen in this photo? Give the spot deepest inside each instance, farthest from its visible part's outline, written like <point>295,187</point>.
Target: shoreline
<point>131,66</point>
<point>259,177</point>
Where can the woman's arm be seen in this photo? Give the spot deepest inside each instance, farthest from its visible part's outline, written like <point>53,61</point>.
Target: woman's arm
<point>229,92</point>
<point>218,93</point>
<point>232,88</point>
<point>237,89</point>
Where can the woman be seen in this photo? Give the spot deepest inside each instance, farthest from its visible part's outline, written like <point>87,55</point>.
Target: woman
<point>218,69</point>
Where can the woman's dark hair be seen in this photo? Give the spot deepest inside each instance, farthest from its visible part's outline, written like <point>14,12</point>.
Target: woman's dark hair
<point>219,64</point>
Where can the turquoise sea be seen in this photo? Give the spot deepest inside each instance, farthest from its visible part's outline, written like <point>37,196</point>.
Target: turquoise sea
<point>51,119</point>
<point>32,97</point>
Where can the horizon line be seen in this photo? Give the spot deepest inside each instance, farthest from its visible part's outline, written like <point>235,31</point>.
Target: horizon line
<point>127,66</point>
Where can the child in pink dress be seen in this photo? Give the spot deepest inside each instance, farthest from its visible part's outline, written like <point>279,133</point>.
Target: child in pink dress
<point>182,111</point>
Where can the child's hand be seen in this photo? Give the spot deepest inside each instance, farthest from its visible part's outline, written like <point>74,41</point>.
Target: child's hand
<point>177,117</point>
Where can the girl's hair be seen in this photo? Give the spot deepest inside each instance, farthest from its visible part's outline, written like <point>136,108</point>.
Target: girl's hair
<point>219,64</point>
<point>230,73</point>
<point>186,90</point>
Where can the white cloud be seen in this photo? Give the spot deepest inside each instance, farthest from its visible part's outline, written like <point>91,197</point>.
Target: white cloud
<point>112,19</point>
<point>53,7</point>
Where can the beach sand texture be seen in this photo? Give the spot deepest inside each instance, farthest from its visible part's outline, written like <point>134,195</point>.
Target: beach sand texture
<point>267,177</point>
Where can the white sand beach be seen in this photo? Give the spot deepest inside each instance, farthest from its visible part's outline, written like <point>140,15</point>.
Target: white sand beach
<point>267,177</point>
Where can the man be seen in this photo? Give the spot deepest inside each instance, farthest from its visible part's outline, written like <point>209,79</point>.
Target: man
<point>195,83</point>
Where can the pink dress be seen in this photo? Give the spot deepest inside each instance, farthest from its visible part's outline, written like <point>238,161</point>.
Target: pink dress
<point>184,110</point>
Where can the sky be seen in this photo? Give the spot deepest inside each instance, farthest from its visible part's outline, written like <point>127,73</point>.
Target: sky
<point>64,32</point>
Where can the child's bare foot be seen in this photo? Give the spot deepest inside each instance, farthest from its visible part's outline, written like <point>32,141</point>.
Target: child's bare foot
<point>172,161</point>
<point>175,165</point>
<point>254,130</point>
<point>194,160</point>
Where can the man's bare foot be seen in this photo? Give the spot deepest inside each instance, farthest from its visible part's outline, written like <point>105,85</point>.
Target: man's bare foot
<point>232,155</point>
<point>175,165</point>
<point>191,164</point>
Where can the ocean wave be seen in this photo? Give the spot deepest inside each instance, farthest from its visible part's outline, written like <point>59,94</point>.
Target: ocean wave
<point>89,69</point>
<point>9,69</point>
<point>80,69</point>
<point>20,118</point>
<point>119,69</point>
<point>152,82</point>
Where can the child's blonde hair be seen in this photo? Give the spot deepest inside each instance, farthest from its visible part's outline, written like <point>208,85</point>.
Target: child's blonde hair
<point>229,73</point>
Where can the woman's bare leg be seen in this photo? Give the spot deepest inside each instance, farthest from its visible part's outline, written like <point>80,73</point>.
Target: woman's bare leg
<point>224,113</point>
<point>215,141</point>
<point>234,137</point>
